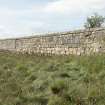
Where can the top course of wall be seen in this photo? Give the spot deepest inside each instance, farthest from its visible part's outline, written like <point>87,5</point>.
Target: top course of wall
<point>79,31</point>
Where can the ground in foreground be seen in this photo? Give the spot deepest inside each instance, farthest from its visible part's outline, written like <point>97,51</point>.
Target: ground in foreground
<point>56,80</point>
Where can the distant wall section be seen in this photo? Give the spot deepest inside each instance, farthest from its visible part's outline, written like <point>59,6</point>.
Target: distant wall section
<point>76,42</point>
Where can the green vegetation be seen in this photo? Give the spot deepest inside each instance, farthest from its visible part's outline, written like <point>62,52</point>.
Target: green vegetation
<point>94,21</point>
<point>55,80</point>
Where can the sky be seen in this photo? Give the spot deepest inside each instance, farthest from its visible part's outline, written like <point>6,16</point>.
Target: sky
<point>20,18</point>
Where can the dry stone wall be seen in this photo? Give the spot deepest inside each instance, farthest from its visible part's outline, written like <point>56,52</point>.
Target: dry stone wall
<point>76,42</point>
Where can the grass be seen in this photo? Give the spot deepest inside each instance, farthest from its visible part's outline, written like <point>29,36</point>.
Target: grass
<point>52,80</point>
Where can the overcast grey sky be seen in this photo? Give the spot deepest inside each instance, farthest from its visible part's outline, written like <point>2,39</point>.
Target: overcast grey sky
<point>23,17</point>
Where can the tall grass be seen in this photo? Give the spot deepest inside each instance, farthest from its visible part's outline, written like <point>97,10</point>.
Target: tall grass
<point>52,80</point>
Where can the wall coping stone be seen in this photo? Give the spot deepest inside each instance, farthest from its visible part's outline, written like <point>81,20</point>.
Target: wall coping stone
<point>56,34</point>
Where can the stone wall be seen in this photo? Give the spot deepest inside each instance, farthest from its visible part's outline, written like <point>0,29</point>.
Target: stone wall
<point>75,42</point>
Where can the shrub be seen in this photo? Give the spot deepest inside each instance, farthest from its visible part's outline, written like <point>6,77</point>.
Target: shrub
<point>58,87</point>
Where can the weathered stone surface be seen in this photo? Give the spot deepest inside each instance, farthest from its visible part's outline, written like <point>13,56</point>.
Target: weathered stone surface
<point>76,42</point>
